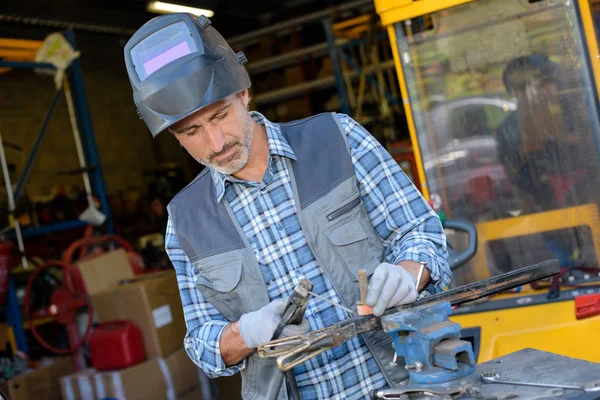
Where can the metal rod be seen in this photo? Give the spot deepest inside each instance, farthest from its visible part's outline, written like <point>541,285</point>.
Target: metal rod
<point>423,264</point>
<point>296,90</point>
<point>249,37</point>
<point>75,75</point>
<point>56,24</point>
<point>332,303</point>
<point>78,146</point>
<point>317,50</point>
<point>11,203</point>
<point>36,145</point>
<point>363,285</point>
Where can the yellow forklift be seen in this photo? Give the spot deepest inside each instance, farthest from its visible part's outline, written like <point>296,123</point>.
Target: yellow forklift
<point>502,103</point>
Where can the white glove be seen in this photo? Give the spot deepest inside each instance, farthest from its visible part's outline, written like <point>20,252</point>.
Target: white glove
<point>390,286</point>
<point>258,327</point>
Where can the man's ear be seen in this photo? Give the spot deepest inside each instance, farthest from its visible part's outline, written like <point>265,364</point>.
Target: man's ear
<point>245,97</point>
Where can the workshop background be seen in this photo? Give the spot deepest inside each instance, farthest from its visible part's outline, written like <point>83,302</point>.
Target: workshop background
<point>132,177</point>
<point>89,301</point>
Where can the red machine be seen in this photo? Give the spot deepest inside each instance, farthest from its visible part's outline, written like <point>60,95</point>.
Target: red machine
<point>116,345</point>
<point>63,307</point>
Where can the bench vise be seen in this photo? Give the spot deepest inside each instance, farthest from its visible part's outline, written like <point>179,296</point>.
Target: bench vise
<point>430,344</point>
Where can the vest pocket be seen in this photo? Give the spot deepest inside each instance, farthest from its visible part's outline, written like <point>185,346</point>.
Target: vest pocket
<point>222,277</point>
<point>220,284</point>
<point>351,242</point>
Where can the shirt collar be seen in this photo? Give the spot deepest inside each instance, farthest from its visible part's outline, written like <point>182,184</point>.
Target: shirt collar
<point>278,146</point>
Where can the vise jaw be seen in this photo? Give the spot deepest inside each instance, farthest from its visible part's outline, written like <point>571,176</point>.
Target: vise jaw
<point>430,344</point>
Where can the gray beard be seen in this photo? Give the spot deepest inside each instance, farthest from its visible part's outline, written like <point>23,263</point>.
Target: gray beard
<point>232,166</point>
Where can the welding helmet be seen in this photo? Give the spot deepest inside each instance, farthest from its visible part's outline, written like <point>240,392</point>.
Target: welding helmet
<point>178,64</point>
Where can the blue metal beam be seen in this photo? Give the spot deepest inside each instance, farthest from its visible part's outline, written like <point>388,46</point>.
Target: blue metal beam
<point>60,226</point>
<point>84,120</point>
<point>36,145</point>
<point>337,68</point>
<point>12,313</point>
<point>18,64</point>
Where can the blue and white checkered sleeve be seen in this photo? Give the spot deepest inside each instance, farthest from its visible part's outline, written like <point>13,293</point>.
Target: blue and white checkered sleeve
<point>204,322</point>
<point>408,226</point>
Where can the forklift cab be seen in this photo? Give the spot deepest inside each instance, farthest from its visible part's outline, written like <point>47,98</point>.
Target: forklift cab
<point>501,98</point>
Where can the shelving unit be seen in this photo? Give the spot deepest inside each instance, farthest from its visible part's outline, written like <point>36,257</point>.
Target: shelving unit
<point>343,65</point>
<point>21,54</point>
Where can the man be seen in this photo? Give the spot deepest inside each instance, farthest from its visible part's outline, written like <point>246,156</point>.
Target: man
<point>548,151</point>
<point>318,198</point>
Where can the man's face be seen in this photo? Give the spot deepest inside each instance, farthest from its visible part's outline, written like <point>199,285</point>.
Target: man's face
<point>218,136</point>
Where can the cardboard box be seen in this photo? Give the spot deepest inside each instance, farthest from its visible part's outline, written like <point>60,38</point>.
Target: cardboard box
<point>105,271</point>
<point>79,386</point>
<point>193,394</point>
<point>42,383</point>
<point>153,304</point>
<point>140,382</point>
<point>173,377</point>
<point>184,373</point>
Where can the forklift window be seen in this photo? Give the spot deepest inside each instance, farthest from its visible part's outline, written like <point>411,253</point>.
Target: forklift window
<point>505,114</point>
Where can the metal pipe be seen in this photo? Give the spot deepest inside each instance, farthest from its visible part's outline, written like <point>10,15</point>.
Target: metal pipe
<point>56,24</point>
<point>288,58</point>
<point>78,146</point>
<point>36,145</point>
<point>82,110</point>
<point>317,50</point>
<point>11,203</point>
<point>293,91</point>
<point>245,38</point>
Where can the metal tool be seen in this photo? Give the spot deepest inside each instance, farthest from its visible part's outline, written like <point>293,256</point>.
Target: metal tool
<point>295,306</point>
<point>332,303</point>
<point>293,314</point>
<point>491,377</point>
<point>295,350</point>
<point>451,392</point>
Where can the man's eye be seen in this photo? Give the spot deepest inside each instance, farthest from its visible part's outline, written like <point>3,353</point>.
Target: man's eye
<point>221,116</point>
<point>191,132</point>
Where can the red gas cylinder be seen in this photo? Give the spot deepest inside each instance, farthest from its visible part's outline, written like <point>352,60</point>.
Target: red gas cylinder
<point>6,264</point>
<point>116,345</point>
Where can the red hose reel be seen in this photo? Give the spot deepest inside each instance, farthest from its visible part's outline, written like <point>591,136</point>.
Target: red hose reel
<point>64,303</point>
<point>72,295</point>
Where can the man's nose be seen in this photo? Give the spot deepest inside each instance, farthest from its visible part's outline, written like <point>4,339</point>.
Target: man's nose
<point>214,139</point>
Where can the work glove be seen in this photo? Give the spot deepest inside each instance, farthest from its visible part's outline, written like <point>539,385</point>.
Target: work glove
<point>258,327</point>
<point>390,286</point>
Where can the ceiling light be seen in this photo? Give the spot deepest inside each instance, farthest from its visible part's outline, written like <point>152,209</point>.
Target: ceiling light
<point>160,7</point>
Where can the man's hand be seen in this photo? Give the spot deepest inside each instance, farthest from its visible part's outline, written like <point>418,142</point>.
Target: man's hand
<point>257,327</point>
<point>241,338</point>
<point>391,285</point>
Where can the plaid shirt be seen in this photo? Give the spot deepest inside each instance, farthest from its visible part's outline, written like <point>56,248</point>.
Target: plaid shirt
<point>410,230</point>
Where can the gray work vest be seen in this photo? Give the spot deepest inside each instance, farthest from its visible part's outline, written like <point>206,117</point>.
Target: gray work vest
<point>333,218</point>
